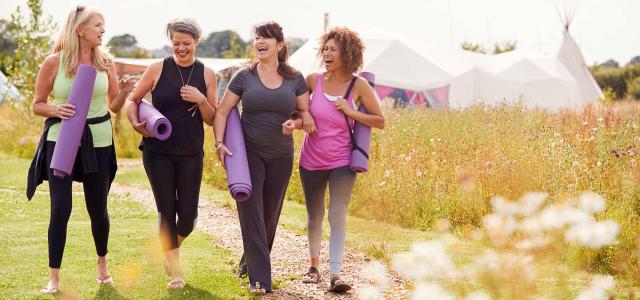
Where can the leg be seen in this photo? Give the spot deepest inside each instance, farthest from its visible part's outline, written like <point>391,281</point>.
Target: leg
<point>341,181</point>
<point>61,204</point>
<point>277,175</point>
<point>188,178</point>
<point>161,173</point>
<point>96,191</point>
<point>254,237</point>
<point>314,185</point>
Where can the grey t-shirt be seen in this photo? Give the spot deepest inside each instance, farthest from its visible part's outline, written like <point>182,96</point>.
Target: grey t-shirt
<point>264,110</point>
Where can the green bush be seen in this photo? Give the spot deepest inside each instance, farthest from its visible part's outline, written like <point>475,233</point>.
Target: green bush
<point>633,88</point>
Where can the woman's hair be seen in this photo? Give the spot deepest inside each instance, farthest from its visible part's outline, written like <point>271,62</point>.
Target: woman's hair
<point>68,42</point>
<point>350,44</point>
<point>273,30</point>
<point>186,25</point>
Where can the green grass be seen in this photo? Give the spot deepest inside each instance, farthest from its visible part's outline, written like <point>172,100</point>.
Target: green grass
<point>135,258</point>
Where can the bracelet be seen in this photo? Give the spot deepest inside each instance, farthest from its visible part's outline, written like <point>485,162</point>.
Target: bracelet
<point>218,145</point>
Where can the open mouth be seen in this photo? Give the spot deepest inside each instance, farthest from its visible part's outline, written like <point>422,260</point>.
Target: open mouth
<point>262,49</point>
<point>328,61</point>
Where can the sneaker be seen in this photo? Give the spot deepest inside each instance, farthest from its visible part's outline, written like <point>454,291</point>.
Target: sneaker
<point>338,286</point>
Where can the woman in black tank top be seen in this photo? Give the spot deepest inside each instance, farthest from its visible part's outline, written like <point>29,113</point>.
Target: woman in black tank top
<point>184,91</point>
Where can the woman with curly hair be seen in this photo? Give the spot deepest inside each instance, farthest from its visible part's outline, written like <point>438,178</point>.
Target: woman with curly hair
<point>325,155</point>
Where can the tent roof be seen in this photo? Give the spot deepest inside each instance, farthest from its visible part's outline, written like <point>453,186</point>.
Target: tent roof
<point>138,65</point>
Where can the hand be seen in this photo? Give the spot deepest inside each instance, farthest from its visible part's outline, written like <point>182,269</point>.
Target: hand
<point>222,151</point>
<point>64,111</point>
<point>127,83</point>
<point>141,128</point>
<point>308,124</point>
<point>343,105</point>
<point>192,94</point>
<point>288,127</point>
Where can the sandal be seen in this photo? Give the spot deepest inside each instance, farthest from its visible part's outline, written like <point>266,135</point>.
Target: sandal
<point>312,276</point>
<point>257,290</point>
<point>105,280</point>
<point>338,286</point>
<point>49,290</point>
<point>176,283</point>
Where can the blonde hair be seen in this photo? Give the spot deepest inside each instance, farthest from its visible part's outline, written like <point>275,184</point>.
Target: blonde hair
<point>68,42</point>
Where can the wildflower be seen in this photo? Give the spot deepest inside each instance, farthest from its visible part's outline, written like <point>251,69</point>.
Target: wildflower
<point>499,227</point>
<point>530,202</point>
<point>430,291</point>
<point>599,289</point>
<point>591,202</point>
<point>478,295</point>
<point>502,206</point>
<point>594,235</point>
<point>425,260</point>
<point>387,173</point>
<point>378,274</point>
<point>382,183</point>
<point>370,293</point>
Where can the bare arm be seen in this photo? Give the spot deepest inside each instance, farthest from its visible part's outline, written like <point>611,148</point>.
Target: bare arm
<point>44,86</point>
<point>208,108</point>
<point>368,98</point>
<point>229,101</point>
<point>145,85</point>
<point>118,90</point>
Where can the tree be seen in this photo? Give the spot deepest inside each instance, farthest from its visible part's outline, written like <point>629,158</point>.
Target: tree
<point>611,63</point>
<point>33,44</point>
<point>7,43</point>
<point>634,61</point>
<point>221,43</point>
<point>473,47</point>
<point>505,46</point>
<point>125,45</point>
<point>498,47</point>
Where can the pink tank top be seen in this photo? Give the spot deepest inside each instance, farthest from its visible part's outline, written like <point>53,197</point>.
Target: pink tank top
<point>330,146</point>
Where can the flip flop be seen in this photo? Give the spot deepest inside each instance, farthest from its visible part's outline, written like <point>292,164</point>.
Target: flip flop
<point>176,283</point>
<point>312,276</point>
<point>105,280</point>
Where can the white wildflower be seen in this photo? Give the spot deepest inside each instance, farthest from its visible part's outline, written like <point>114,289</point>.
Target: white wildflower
<point>503,206</point>
<point>530,202</point>
<point>479,295</point>
<point>370,293</point>
<point>378,274</point>
<point>599,289</point>
<point>434,259</point>
<point>533,243</point>
<point>594,235</point>
<point>430,291</point>
<point>499,227</point>
<point>591,202</point>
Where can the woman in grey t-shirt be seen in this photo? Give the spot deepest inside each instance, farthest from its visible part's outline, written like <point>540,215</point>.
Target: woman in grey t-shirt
<point>270,91</point>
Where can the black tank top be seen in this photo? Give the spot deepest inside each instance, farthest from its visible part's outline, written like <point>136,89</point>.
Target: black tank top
<point>187,134</point>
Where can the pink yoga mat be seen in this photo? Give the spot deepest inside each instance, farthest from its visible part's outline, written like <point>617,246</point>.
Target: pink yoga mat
<point>359,162</point>
<point>237,166</point>
<point>157,123</point>
<point>66,149</point>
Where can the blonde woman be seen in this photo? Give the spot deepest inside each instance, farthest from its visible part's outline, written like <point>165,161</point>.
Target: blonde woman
<point>78,43</point>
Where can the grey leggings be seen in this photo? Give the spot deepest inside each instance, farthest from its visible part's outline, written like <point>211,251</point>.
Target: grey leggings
<point>314,185</point>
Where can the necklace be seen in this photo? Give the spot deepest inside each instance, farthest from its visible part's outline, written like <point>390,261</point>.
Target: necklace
<point>180,72</point>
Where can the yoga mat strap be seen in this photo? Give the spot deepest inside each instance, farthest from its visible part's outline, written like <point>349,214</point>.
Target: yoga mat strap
<point>354,144</point>
<point>38,171</point>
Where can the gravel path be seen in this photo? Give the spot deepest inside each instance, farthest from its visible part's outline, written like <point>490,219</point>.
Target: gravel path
<point>289,255</point>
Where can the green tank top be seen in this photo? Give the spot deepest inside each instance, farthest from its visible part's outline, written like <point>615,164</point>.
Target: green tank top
<point>101,132</point>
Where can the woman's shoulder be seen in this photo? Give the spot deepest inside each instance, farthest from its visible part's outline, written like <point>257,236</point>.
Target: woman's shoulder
<point>52,60</point>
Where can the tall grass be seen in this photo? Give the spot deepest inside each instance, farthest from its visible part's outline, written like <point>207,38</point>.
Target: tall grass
<point>429,165</point>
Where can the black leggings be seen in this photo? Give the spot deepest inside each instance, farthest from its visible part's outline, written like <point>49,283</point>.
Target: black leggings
<point>260,213</point>
<point>175,181</point>
<point>96,189</point>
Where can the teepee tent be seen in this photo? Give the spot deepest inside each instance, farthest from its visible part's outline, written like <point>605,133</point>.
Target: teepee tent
<point>8,90</point>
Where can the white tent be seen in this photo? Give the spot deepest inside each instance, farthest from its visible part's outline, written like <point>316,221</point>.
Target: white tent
<point>138,65</point>
<point>397,62</point>
<point>571,57</point>
<point>7,90</point>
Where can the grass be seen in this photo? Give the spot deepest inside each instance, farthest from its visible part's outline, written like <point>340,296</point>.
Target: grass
<point>135,258</point>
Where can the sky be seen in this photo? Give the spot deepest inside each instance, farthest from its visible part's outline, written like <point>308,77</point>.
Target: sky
<point>603,29</point>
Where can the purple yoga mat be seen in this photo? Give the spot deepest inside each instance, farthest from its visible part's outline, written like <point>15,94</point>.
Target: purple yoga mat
<point>236,165</point>
<point>359,162</point>
<point>66,149</point>
<point>157,124</point>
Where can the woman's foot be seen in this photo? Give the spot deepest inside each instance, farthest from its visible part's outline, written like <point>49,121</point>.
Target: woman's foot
<point>103,271</point>
<point>50,289</point>
<point>176,283</point>
<point>256,289</point>
<point>312,276</point>
<point>337,285</point>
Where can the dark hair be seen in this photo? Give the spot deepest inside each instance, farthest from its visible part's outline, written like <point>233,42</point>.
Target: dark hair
<point>273,30</point>
<point>350,44</point>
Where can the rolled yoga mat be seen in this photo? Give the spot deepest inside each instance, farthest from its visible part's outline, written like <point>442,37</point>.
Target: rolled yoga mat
<point>362,133</point>
<point>157,123</point>
<point>66,149</point>
<point>236,165</point>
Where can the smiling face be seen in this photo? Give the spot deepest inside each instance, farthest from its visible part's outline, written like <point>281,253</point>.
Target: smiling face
<point>184,47</point>
<point>331,56</point>
<point>266,47</point>
<point>91,31</point>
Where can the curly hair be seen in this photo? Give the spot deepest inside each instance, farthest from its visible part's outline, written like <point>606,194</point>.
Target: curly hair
<point>350,44</point>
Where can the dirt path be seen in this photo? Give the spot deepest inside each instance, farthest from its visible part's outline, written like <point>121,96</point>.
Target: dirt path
<point>289,255</point>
